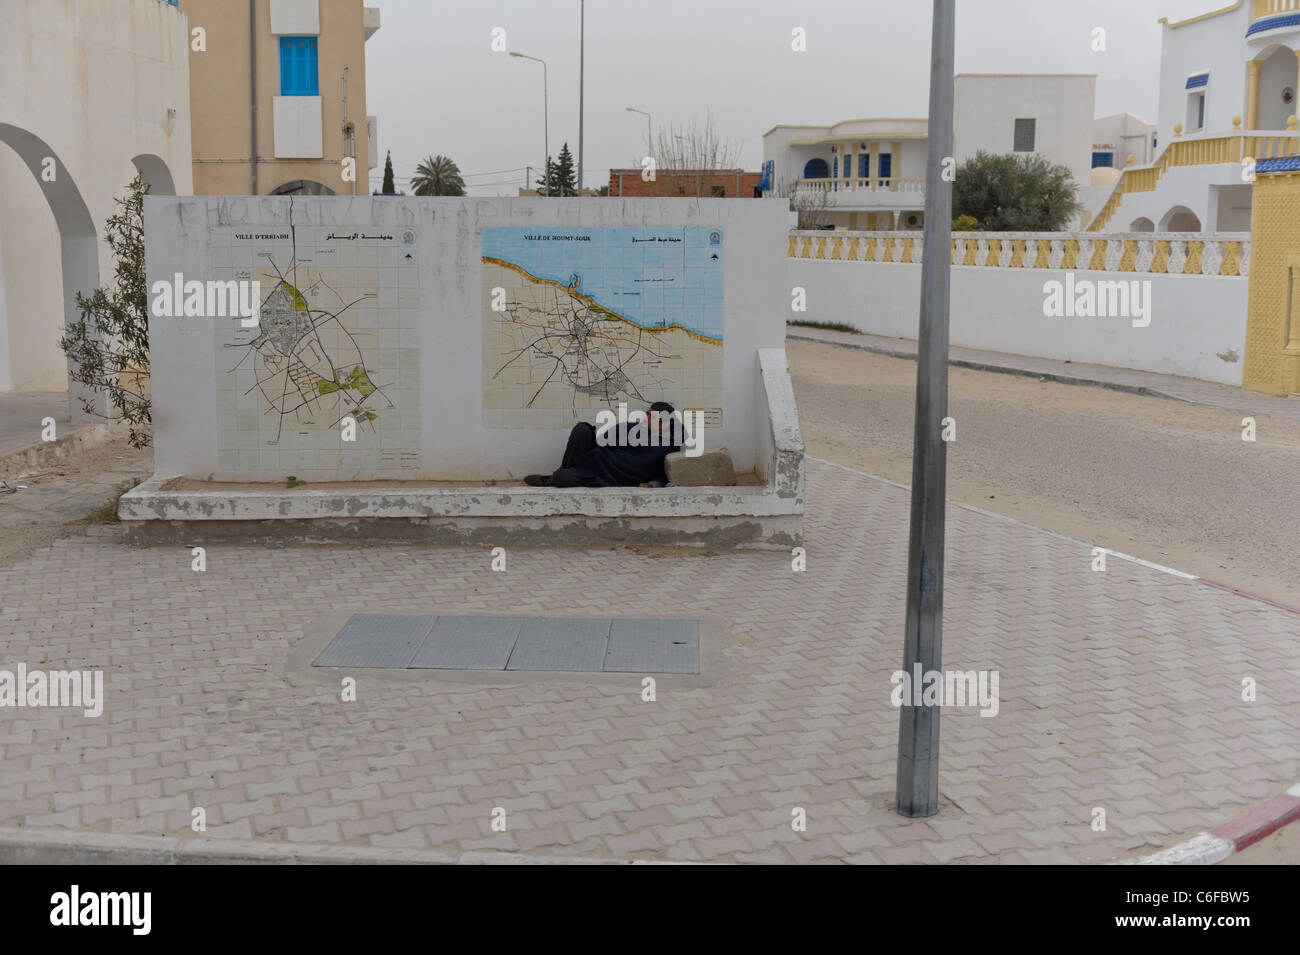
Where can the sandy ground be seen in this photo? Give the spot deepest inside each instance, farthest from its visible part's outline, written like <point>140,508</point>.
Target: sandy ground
<point>58,497</point>
<point>1167,481</point>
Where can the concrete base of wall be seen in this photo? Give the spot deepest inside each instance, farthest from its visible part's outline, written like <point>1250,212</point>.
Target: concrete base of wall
<point>748,517</point>
<point>769,516</point>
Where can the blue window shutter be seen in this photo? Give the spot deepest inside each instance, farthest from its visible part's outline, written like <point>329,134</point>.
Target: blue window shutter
<point>885,165</point>
<point>1103,159</point>
<point>298,66</point>
<point>864,165</point>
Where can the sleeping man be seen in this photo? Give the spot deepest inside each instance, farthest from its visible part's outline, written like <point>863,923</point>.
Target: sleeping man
<point>618,456</point>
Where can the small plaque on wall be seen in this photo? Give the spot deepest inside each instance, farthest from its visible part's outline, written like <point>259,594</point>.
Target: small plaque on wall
<point>712,416</point>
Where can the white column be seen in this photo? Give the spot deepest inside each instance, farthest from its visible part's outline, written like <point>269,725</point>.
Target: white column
<point>6,369</point>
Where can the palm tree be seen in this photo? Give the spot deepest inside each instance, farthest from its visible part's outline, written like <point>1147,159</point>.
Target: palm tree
<point>437,176</point>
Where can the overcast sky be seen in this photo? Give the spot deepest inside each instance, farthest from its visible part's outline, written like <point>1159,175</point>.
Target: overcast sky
<point>437,86</point>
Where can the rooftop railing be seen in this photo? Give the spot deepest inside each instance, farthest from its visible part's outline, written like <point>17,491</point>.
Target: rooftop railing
<point>1267,8</point>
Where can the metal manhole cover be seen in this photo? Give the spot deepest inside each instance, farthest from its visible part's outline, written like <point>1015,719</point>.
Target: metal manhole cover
<point>572,645</point>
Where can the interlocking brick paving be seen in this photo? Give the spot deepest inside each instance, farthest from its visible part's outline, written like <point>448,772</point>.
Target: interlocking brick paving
<point>1119,690</point>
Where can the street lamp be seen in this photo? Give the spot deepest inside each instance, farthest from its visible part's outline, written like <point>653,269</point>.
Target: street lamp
<point>582,43</point>
<point>546,123</point>
<point>649,124</point>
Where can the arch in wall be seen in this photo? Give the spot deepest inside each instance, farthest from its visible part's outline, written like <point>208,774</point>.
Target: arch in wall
<point>816,169</point>
<point>1180,219</point>
<point>302,187</point>
<point>1142,224</point>
<point>153,170</point>
<point>77,240</point>
<point>1277,75</point>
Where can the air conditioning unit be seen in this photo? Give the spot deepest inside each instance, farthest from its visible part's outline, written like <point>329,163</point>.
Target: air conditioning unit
<point>913,220</point>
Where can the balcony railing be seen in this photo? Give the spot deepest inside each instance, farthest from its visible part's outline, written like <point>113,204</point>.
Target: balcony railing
<point>856,184</point>
<point>1268,8</point>
<point>1198,151</point>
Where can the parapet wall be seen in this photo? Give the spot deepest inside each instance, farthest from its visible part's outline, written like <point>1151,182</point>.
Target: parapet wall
<point>1182,297</point>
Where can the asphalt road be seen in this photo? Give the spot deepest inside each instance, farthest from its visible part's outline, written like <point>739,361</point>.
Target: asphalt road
<point>1167,481</point>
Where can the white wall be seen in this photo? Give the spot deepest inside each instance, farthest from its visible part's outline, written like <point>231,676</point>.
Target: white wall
<point>1193,317</point>
<point>455,445</point>
<point>1189,186</point>
<point>786,164</point>
<point>1125,134</point>
<point>1216,45</point>
<point>31,289</point>
<point>1277,73</point>
<point>986,107</point>
<point>86,83</point>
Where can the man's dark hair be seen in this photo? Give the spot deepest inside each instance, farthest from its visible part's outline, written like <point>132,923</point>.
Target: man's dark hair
<point>662,406</point>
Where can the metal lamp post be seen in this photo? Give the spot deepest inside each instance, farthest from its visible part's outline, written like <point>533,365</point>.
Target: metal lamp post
<point>582,42</point>
<point>546,122</point>
<point>917,784</point>
<point>649,127</point>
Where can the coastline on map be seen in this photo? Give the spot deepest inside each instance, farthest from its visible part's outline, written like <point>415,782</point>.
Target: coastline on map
<point>597,306</point>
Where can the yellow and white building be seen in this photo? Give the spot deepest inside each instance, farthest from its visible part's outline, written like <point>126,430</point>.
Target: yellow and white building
<point>278,96</point>
<point>1228,85</point>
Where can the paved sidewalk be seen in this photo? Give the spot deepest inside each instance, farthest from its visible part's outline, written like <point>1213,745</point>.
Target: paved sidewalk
<point>1122,379</point>
<point>1119,690</point>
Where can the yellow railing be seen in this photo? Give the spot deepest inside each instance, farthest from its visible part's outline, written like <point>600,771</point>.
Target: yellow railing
<point>1270,147</point>
<point>1157,253</point>
<point>1266,8</point>
<point>1212,150</point>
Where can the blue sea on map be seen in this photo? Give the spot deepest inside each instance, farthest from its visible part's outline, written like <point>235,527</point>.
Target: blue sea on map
<point>650,276</point>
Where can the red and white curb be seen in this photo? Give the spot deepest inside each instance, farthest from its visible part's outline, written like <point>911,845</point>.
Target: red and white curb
<point>1217,844</point>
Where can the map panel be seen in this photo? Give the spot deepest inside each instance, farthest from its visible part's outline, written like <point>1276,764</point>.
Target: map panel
<point>577,320</point>
<point>337,337</point>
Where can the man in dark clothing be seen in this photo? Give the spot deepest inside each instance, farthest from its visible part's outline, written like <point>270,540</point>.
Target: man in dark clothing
<point>602,461</point>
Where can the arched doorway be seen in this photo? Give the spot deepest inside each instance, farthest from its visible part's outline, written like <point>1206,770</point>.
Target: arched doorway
<point>302,187</point>
<point>1277,88</point>
<point>1180,219</point>
<point>1142,224</point>
<point>29,340</point>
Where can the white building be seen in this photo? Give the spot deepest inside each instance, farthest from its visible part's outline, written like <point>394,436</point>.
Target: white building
<point>859,174</point>
<point>1228,82</point>
<point>92,92</point>
<point>1049,114</point>
<point>870,173</point>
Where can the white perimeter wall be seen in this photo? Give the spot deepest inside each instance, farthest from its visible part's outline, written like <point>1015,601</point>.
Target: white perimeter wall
<point>1193,317</point>
<point>455,444</point>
